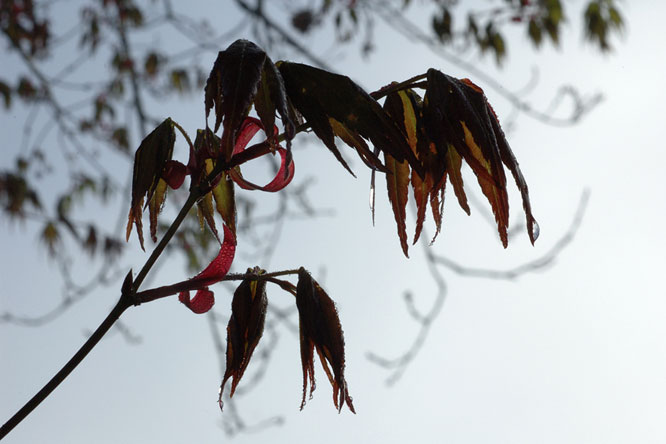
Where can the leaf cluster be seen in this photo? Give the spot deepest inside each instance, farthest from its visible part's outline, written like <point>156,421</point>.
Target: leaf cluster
<point>423,141</point>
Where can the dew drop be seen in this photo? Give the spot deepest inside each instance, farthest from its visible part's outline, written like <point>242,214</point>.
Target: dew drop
<point>372,198</point>
<point>536,230</point>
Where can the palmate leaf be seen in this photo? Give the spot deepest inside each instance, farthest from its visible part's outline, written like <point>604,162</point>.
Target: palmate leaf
<point>320,96</point>
<point>222,196</point>
<point>243,74</point>
<point>405,108</point>
<point>453,123</point>
<point>397,178</point>
<point>458,119</point>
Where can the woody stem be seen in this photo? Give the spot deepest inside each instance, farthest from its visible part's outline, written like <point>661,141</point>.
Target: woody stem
<point>123,304</point>
<point>195,194</point>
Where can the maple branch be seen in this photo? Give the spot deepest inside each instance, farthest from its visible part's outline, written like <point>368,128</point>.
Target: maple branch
<point>153,294</point>
<point>127,299</point>
<point>195,194</point>
<point>123,304</point>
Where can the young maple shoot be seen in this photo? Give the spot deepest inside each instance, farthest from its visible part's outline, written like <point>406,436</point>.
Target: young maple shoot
<point>424,141</point>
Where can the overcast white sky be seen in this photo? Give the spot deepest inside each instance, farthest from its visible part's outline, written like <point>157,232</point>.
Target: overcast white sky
<point>574,354</point>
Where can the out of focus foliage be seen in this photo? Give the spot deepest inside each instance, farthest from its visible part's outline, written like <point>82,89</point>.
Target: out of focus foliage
<point>93,117</point>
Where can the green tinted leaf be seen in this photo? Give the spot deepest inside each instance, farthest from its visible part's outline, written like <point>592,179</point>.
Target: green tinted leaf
<point>356,141</point>
<point>205,212</point>
<point>397,184</point>
<point>155,207</point>
<point>534,31</point>
<point>457,114</point>
<point>453,166</point>
<point>495,193</point>
<point>399,108</point>
<point>225,202</point>
<point>50,236</point>
<point>271,97</point>
<point>615,17</point>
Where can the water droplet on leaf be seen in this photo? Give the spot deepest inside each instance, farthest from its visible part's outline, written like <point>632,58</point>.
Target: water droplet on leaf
<point>536,230</point>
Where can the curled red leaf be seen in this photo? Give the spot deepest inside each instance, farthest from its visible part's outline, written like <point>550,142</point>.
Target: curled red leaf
<point>220,266</point>
<point>174,173</point>
<point>202,301</point>
<point>284,175</point>
<point>213,273</point>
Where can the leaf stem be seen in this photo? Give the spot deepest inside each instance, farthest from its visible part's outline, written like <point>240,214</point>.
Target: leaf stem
<point>195,193</point>
<point>393,87</point>
<point>127,299</point>
<point>184,133</point>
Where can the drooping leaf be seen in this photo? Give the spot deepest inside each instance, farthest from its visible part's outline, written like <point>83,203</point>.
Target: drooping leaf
<point>155,207</point>
<point>356,141</point>
<point>398,176</point>
<point>231,87</point>
<point>445,106</point>
<point>496,194</point>
<point>512,164</point>
<point>421,189</point>
<point>205,212</point>
<point>437,195</point>
<point>461,123</point>
<point>271,96</point>
<point>245,327</point>
<point>320,95</point>
<point>397,184</point>
<point>454,164</point>
<point>225,201</point>
<point>149,161</point>
<point>320,329</point>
